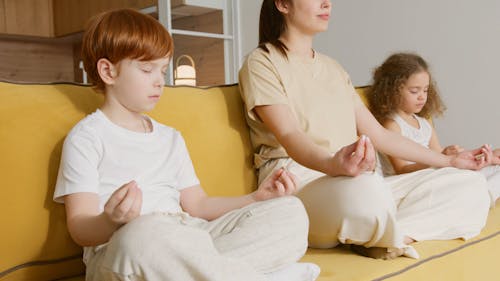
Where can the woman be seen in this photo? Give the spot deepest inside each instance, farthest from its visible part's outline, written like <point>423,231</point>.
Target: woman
<point>305,115</point>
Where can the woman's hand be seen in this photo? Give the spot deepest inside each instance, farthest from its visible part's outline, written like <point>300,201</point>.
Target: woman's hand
<point>124,204</point>
<point>452,150</point>
<point>280,183</point>
<point>473,159</point>
<point>354,159</point>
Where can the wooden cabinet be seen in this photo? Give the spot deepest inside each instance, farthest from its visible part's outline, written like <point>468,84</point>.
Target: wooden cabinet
<point>40,39</point>
<point>2,16</point>
<point>54,18</point>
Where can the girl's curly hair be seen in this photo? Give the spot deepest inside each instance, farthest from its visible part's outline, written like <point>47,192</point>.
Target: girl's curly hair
<point>384,96</point>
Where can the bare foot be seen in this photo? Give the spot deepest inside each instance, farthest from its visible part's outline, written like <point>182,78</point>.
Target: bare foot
<point>408,240</point>
<point>376,252</point>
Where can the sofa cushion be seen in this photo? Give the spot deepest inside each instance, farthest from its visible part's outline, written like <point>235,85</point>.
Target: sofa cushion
<point>34,122</point>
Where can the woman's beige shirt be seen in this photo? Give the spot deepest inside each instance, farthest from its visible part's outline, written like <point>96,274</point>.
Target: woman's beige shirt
<point>317,90</point>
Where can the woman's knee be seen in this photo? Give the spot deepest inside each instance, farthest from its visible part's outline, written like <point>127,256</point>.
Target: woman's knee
<point>346,196</point>
<point>339,206</point>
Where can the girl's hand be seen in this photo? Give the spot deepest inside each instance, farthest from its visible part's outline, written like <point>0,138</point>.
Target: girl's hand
<point>124,204</point>
<point>495,160</point>
<point>354,159</point>
<point>452,150</point>
<point>280,183</point>
<point>473,159</point>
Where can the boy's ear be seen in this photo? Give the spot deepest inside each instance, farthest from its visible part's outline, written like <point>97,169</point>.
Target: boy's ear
<point>282,6</point>
<point>107,71</point>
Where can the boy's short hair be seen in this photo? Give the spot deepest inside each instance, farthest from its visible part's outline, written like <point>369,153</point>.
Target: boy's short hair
<point>123,34</point>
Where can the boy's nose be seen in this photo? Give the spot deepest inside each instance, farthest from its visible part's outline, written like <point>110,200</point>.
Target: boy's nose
<point>161,80</point>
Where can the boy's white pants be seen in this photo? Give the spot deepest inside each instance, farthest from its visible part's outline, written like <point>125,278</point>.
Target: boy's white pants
<point>241,245</point>
<point>374,211</point>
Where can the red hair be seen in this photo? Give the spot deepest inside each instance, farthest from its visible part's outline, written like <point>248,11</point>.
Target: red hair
<point>123,34</point>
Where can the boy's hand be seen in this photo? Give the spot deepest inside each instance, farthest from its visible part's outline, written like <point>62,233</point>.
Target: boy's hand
<point>124,204</point>
<point>280,183</point>
<point>452,150</point>
<point>354,159</point>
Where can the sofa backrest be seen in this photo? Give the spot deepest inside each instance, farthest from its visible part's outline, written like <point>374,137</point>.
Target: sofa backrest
<point>34,119</point>
<point>214,127</point>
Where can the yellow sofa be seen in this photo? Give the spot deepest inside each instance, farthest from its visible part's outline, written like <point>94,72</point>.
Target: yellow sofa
<point>34,242</point>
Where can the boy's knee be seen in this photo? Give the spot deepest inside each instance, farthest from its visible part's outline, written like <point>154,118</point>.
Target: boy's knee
<point>292,208</point>
<point>141,235</point>
<point>124,240</point>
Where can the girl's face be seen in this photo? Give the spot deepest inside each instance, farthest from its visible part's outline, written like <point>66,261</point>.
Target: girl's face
<point>414,93</point>
<point>306,16</point>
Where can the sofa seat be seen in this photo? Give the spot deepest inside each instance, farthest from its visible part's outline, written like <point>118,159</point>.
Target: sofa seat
<point>35,244</point>
<point>477,259</point>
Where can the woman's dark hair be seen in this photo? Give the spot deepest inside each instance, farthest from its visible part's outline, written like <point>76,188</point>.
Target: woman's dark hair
<point>271,26</point>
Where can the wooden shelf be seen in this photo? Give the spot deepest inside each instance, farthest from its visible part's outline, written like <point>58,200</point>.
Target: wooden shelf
<point>51,52</point>
<point>54,18</point>
<point>186,8</point>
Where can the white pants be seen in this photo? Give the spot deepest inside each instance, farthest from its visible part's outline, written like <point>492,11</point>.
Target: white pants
<point>373,211</point>
<point>492,174</point>
<point>241,245</point>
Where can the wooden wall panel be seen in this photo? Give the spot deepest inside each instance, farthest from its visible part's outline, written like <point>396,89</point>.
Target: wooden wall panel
<point>29,17</point>
<point>2,16</point>
<point>49,60</point>
<point>36,61</point>
<point>72,15</point>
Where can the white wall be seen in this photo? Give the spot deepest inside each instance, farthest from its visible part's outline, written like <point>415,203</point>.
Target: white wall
<point>249,25</point>
<point>460,39</point>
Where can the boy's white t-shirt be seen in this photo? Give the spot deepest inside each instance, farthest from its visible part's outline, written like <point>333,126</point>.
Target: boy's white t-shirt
<point>99,157</point>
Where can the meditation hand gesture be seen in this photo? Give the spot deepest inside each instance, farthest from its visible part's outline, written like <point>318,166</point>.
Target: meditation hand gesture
<point>354,159</point>
<point>280,183</point>
<point>124,204</point>
<point>473,159</point>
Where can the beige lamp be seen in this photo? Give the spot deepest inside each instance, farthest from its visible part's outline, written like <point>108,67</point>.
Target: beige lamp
<point>185,74</point>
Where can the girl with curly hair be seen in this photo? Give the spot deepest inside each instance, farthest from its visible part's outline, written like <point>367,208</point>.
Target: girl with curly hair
<point>403,97</point>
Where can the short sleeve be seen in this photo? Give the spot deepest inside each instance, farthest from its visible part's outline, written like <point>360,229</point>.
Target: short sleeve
<point>260,83</point>
<point>78,170</point>
<point>352,91</point>
<point>185,174</point>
